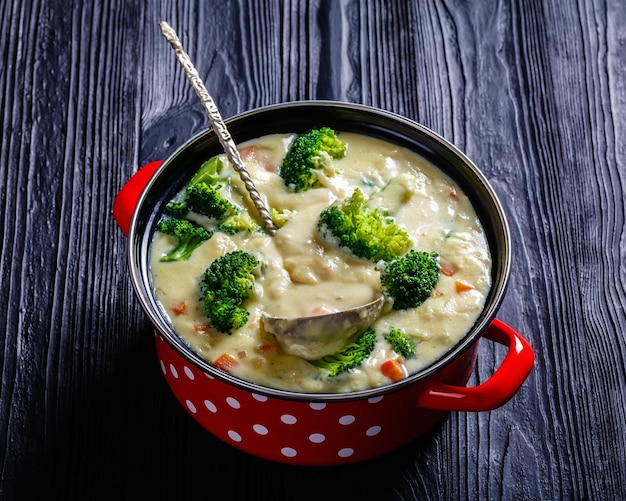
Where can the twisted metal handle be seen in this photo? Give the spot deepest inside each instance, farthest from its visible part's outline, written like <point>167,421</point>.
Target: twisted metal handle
<point>217,122</point>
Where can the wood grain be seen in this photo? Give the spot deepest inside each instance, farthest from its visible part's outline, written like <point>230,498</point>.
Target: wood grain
<point>534,92</point>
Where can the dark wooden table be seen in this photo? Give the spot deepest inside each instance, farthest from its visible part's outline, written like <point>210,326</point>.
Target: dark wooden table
<point>534,92</point>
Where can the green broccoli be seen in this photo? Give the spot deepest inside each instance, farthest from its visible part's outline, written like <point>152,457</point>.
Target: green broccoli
<point>209,172</point>
<point>177,209</point>
<point>400,343</point>
<point>241,221</point>
<point>367,232</point>
<point>225,285</point>
<point>393,195</point>
<point>410,279</point>
<point>203,196</point>
<point>203,191</point>
<point>313,150</point>
<point>189,235</point>
<point>350,356</point>
<point>207,200</point>
<point>280,218</point>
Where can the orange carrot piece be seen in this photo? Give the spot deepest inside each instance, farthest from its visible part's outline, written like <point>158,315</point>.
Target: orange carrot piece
<point>247,152</point>
<point>180,308</point>
<point>393,369</point>
<point>322,309</point>
<point>265,347</point>
<point>226,362</point>
<point>446,268</point>
<point>200,327</point>
<point>463,286</point>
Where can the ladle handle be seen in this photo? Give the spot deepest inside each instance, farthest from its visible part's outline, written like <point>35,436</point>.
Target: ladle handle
<point>217,122</point>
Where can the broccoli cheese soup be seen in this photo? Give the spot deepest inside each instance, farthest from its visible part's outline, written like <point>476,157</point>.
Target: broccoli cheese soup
<point>301,271</point>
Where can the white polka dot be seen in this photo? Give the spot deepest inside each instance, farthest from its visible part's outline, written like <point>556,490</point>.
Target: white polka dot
<point>234,403</point>
<point>347,419</point>
<point>375,400</point>
<point>173,371</point>
<point>317,406</point>
<point>210,406</point>
<point>260,429</point>
<point>288,452</point>
<point>163,369</point>
<point>288,419</point>
<point>317,438</point>
<point>260,398</point>
<point>190,406</point>
<point>374,430</point>
<point>188,373</point>
<point>236,437</point>
<point>345,453</point>
<point>208,375</point>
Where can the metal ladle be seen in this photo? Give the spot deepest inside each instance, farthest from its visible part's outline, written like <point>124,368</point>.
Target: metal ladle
<point>317,336</point>
<point>307,337</point>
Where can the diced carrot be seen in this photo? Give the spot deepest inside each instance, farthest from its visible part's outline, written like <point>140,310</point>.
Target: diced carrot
<point>447,268</point>
<point>179,309</point>
<point>226,362</point>
<point>265,347</point>
<point>393,369</point>
<point>322,309</point>
<point>250,153</point>
<point>247,152</point>
<point>463,286</point>
<point>454,194</point>
<point>200,327</point>
<point>268,167</point>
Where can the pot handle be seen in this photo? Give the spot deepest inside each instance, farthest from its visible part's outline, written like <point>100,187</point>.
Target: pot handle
<point>126,200</point>
<point>498,389</point>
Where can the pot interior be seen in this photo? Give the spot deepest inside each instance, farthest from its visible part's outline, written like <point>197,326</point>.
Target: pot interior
<point>297,117</point>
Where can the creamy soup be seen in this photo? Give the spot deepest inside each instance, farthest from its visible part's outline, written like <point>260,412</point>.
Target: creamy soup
<point>304,275</point>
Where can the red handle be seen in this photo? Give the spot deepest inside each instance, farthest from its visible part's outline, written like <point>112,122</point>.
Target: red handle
<point>126,200</point>
<point>498,389</point>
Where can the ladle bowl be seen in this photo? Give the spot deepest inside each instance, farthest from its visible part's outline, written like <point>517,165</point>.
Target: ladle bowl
<point>320,335</point>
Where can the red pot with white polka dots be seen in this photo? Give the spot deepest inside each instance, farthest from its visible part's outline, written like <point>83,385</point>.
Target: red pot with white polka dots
<point>324,429</point>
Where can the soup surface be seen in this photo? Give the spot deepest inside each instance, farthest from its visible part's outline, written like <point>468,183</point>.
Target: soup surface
<point>304,275</point>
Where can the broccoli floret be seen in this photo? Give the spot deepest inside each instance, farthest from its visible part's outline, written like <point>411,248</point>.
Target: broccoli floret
<point>208,201</point>
<point>241,221</point>
<point>393,195</point>
<point>400,342</point>
<point>310,151</point>
<point>189,235</point>
<point>203,196</point>
<point>279,218</point>
<point>367,232</point>
<point>177,209</point>
<point>410,279</point>
<point>224,286</point>
<point>209,172</point>
<point>202,193</point>
<point>350,356</point>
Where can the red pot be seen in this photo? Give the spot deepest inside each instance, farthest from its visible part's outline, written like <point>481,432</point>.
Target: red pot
<point>325,429</point>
